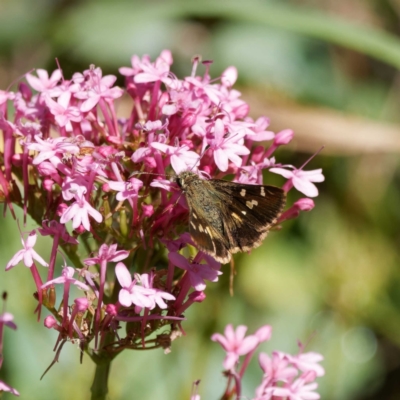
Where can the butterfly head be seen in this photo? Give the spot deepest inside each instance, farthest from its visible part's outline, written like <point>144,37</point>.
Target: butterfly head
<point>186,179</point>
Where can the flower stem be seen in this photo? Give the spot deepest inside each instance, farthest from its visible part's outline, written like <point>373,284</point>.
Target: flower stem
<point>99,387</point>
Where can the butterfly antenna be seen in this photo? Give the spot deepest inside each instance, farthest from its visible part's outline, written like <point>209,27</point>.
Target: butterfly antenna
<point>302,346</point>
<point>19,79</point>
<point>148,173</point>
<point>200,157</point>
<point>59,67</point>
<point>315,154</point>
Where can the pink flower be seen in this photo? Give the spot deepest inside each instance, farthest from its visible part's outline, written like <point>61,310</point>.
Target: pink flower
<point>43,83</point>
<point>79,212</point>
<point>158,296</point>
<point>126,190</point>
<point>162,184</point>
<point>181,157</point>
<point>302,180</point>
<point>28,254</point>
<point>276,368</point>
<point>226,149</point>
<point>235,344</point>
<point>108,254</point>
<point>74,184</point>
<point>308,362</point>
<point>197,272</point>
<point>52,148</point>
<point>260,132</point>
<point>67,277</point>
<point>54,228</point>
<point>204,89</point>
<point>7,320</point>
<point>158,71</point>
<point>136,63</point>
<point>5,95</point>
<point>98,88</point>
<point>251,174</point>
<point>63,113</point>
<point>7,388</point>
<point>300,389</point>
<point>130,292</point>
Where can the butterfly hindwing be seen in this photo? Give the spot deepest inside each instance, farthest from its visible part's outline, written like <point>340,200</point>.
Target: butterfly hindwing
<point>206,225</point>
<point>210,242</point>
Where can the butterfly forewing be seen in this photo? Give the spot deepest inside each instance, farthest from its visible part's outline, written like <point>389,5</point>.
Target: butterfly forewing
<point>259,205</point>
<point>249,216</point>
<point>227,217</point>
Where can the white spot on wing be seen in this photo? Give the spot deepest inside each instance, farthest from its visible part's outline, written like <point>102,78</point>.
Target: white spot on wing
<point>243,212</point>
<point>251,204</point>
<point>234,215</point>
<point>243,192</point>
<point>194,226</point>
<point>262,191</point>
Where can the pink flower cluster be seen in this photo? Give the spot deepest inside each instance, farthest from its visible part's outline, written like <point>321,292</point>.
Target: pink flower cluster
<point>285,377</point>
<point>96,184</point>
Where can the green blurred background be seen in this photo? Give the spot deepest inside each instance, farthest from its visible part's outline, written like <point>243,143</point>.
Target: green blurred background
<point>329,70</point>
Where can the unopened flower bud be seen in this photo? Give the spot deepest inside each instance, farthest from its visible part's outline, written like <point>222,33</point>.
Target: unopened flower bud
<point>189,119</point>
<point>50,322</point>
<point>229,76</point>
<point>257,154</point>
<point>304,204</point>
<point>148,210</point>
<point>26,92</point>
<point>46,168</point>
<point>197,296</point>
<point>111,309</point>
<point>80,229</point>
<point>48,184</point>
<point>264,333</point>
<point>82,304</point>
<point>283,137</point>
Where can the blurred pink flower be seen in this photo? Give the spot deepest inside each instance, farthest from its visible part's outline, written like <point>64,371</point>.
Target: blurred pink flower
<point>197,272</point>
<point>235,344</point>
<point>42,83</point>
<point>63,112</point>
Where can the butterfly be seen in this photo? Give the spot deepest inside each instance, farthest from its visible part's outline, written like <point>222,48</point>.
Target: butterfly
<point>228,217</point>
